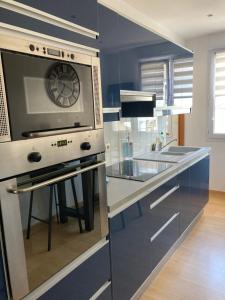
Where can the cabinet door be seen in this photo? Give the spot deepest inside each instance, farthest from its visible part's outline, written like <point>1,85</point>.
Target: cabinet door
<point>164,238</point>
<point>85,280</point>
<point>194,183</point>
<point>164,215</point>
<point>163,203</point>
<point>80,12</point>
<point>109,56</point>
<point>3,292</point>
<point>199,183</point>
<point>130,250</point>
<point>188,210</point>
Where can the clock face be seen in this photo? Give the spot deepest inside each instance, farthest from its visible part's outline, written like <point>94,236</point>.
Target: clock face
<point>63,85</point>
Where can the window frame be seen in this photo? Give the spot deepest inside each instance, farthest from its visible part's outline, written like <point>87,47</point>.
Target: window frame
<point>211,134</point>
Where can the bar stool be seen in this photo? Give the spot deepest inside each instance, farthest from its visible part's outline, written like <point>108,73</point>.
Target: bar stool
<point>53,194</point>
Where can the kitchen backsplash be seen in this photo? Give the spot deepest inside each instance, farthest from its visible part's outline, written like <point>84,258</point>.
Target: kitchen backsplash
<point>141,132</point>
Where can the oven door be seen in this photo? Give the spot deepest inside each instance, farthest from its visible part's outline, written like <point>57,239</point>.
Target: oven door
<point>44,94</point>
<point>50,218</point>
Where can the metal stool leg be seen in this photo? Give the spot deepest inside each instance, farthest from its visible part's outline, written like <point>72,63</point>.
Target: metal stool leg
<point>56,204</point>
<point>50,218</point>
<point>76,205</point>
<point>30,214</point>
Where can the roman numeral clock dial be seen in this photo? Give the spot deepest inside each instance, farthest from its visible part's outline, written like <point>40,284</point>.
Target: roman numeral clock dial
<point>63,85</point>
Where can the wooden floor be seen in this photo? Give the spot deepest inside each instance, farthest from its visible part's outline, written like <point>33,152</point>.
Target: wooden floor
<point>196,270</point>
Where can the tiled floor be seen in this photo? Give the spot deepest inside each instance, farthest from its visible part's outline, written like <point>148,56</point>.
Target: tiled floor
<point>196,270</point>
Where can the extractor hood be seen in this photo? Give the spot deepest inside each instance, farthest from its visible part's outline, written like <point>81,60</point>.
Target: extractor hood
<point>137,104</point>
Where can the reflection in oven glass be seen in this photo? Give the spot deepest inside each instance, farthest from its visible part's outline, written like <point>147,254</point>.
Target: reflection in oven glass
<point>59,222</point>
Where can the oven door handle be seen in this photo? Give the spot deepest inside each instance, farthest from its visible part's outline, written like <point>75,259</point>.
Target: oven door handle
<point>54,180</point>
<point>44,133</point>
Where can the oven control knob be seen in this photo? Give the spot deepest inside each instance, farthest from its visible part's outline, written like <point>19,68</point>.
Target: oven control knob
<point>34,157</point>
<point>85,146</point>
<point>32,48</point>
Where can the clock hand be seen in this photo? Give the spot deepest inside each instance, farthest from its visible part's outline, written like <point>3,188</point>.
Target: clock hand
<point>69,87</point>
<point>60,94</point>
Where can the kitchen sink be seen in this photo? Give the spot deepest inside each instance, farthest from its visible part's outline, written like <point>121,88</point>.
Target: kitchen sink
<point>172,153</point>
<point>181,149</point>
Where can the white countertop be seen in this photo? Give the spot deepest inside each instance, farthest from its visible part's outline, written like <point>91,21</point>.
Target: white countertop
<point>121,193</point>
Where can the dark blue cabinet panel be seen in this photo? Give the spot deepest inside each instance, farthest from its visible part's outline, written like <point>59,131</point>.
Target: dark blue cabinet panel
<point>3,292</point>
<point>85,280</point>
<point>81,12</point>
<point>106,295</point>
<point>109,56</point>
<point>199,181</point>
<point>164,216</point>
<point>164,241</point>
<point>194,187</point>
<point>161,212</point>
<point>130,250</point>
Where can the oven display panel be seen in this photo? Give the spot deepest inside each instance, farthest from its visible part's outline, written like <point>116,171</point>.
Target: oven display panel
<point>62,143</point>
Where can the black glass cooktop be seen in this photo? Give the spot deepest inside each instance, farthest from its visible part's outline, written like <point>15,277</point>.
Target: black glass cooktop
<point>139,170</point>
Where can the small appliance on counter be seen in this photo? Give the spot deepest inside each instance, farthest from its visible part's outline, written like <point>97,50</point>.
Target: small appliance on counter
<point>136,169</point>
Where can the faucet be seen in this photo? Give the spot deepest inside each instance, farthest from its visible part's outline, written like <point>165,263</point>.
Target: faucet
<point>173,140</point>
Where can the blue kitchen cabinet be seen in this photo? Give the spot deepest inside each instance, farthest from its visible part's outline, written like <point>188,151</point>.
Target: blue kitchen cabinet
<point>80,12</point>
<point>164,207</point>
<point>75,11</point>
<point>109,56</point>
<point>130,250</point>
<point>194,187</point>
<point>131,37</point>
<point>135,251</point>
<point>142,234</point>
<point>3,291</point>
<point>199,182</point>
<point>85,280</point>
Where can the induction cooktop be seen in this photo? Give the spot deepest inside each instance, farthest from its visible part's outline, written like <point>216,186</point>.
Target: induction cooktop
<point>138,170</point>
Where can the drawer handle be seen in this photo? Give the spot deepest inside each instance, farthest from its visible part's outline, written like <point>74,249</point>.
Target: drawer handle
<point>163,197</point>
<point>164,227</point>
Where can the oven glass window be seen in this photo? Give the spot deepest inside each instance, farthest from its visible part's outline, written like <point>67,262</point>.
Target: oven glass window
<point>60,222</point>
<point>45,94</point>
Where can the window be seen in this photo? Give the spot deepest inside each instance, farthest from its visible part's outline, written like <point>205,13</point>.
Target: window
<point>154,79</point>
<point>171,80</point>
<point>182,82</point>
<point>218,94</point>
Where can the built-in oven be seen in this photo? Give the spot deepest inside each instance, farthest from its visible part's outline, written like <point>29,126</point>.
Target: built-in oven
<point>48,89</point>
<point>44,232</point>
<point>53,204</point>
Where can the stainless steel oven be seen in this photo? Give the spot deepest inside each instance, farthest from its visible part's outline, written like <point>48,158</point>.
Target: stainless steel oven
<point>48,89</point>
<point>53,204</point>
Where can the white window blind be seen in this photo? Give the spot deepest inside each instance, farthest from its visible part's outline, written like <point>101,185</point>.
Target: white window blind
<point>219,93</point>
<point>182,82</point>
<point>154,79</point>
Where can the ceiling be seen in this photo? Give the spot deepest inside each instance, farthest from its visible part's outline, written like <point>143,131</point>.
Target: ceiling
<point>186,18</point>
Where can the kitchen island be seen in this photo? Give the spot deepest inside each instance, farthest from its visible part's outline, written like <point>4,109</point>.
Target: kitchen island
<point>148,220</point>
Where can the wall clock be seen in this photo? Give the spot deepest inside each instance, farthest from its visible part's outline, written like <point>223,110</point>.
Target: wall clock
<point>63,84</point>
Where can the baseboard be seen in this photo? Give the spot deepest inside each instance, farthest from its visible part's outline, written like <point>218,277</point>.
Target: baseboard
<point>159,267</point>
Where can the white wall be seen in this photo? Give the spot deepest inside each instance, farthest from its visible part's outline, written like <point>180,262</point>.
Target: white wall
<point>197,123</point>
